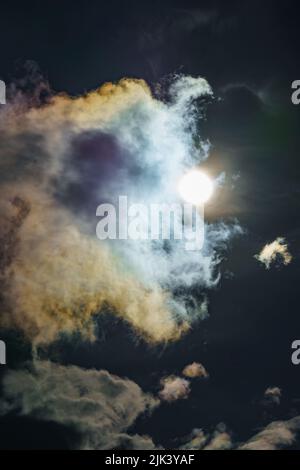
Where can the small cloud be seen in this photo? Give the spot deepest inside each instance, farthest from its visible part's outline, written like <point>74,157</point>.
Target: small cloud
<point>174,388</point>
<point>196,440</point>
<point>277,435</point>
<point>276,250</point>
<point>272,396</point>
<point>220,439</point>
<point>195,370</point>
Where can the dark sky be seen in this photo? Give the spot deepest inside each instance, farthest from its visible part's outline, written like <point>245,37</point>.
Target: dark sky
<point>79,46</point>
<point>249,53</point>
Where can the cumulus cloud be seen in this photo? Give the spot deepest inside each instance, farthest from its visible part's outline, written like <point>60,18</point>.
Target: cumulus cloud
<point>98,405</point>
<point>219,439</point>
<point>58,278</point>
<point>196,440</point>
<point>58,161</point>
<point>195,370</point>
<point>277,250</point>
<point>102,407</point>
<point>174,388</point>
<point>277,435</point>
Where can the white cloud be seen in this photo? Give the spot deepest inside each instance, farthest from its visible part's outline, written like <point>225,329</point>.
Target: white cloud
<point>174,388</point>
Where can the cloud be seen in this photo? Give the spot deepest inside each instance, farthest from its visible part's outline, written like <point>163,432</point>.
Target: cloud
<point>196,440</point>
<point>98,405</point>
<point>60,277</point>
<point>174,388</point>
<point>272,396</point>
<point>58,161</point>
<point>195,370</point>
<point>274,251</point>
<point>102,407</point>
<point>220,439</point>
<point>277,435</point>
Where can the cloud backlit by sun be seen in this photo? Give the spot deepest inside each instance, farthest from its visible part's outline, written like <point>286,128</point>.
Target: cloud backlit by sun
<point>60,160</point>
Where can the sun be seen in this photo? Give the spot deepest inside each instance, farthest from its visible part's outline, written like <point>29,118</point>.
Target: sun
<point>195,187</point>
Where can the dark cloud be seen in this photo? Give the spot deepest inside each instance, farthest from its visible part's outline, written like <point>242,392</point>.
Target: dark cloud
<point>100,407</point>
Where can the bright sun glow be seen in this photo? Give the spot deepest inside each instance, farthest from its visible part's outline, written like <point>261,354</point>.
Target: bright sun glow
<point>195,187</point>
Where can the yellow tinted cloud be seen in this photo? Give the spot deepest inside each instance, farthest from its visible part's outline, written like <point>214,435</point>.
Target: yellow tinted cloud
<point>271,251</point>
<point>59,277</point>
